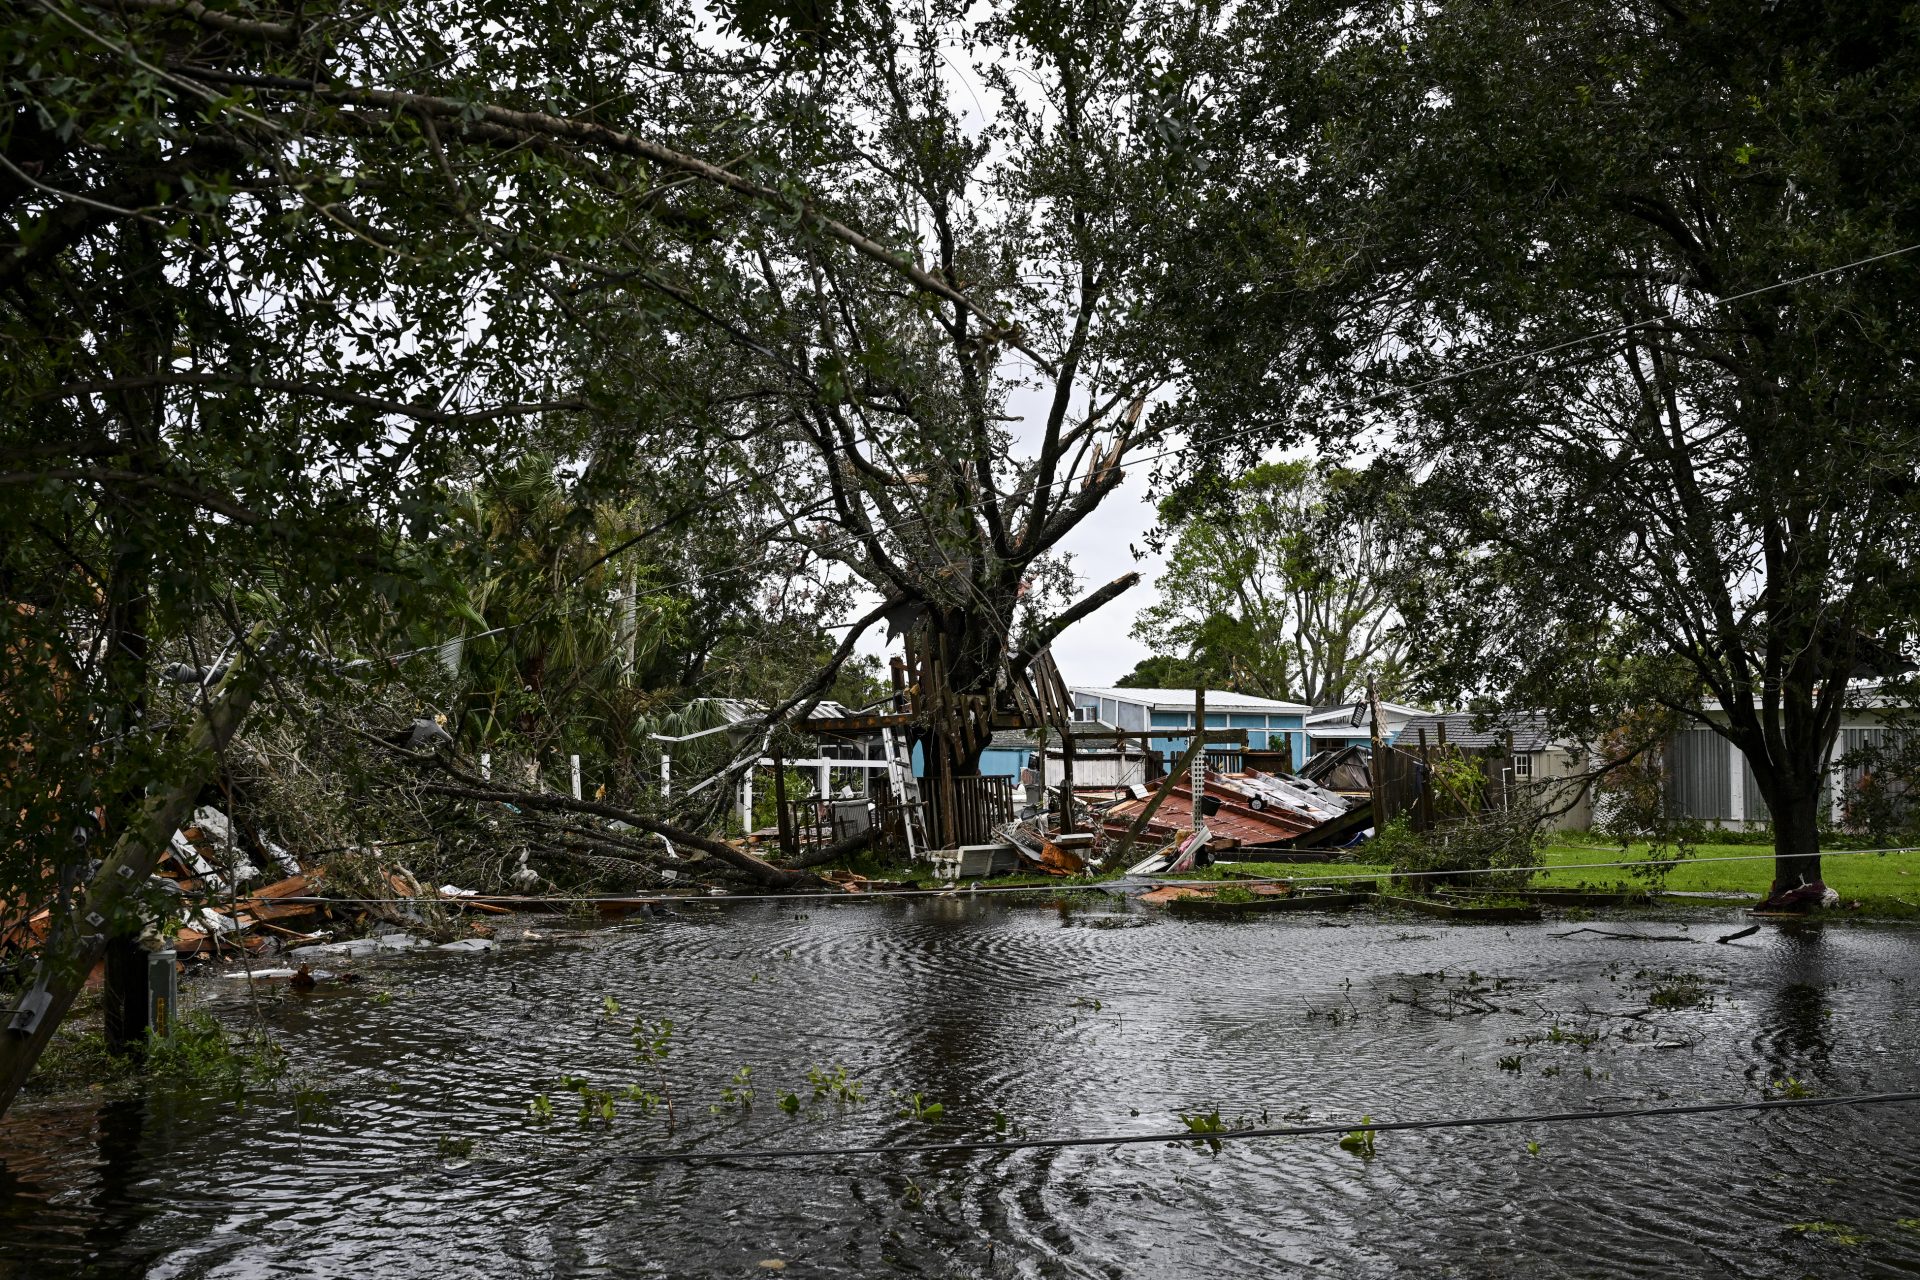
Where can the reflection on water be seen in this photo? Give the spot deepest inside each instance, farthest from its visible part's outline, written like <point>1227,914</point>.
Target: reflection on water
<point>1071,1019</point>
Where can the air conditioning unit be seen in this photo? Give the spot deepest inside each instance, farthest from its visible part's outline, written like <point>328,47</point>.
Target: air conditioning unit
<point>1085,715</point>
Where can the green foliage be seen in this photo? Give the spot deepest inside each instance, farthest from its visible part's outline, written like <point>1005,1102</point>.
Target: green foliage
<point>917,1106</point>
<point>1507,843</point>
<point>201,1056</point>
<point>1884,773</point>
<point>1360,1142</point>
<point>1273,588</point>
<point>1204,1125</point>
<point>833,1082</point>
<point>652,1040</point>
<point>1641,426</point>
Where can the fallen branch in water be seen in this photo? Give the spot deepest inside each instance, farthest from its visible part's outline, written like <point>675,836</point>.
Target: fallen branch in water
<point>1631,937</point>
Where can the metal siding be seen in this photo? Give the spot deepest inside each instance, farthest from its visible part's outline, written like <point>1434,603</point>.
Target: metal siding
<point>1699,776</point>
<point>1002,762</point>
<point>1757,810</point>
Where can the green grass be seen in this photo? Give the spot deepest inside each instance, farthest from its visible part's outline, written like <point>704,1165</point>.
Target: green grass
<point>1888,883</point>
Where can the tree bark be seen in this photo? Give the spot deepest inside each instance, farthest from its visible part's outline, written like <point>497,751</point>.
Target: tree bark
<point>1796,840</point>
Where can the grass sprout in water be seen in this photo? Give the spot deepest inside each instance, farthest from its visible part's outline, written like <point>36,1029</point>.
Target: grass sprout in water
<point>1359,1141</point>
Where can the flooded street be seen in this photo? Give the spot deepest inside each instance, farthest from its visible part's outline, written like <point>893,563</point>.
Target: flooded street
<point>1084,1017</point>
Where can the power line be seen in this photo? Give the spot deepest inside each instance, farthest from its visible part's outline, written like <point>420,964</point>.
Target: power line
<point>1099,886</point>
<point>1278,1131</point>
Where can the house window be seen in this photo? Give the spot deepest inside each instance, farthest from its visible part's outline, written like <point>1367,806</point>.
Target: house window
<point>1523,766</point>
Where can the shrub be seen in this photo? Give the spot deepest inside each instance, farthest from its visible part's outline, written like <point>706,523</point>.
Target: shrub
<point>1507,842</point>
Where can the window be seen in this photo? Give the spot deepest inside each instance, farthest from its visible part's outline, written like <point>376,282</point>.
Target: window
<point>1523,766</point>
<point>1085,715</point>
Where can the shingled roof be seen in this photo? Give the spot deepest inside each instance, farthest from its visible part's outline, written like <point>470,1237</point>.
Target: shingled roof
<point>1465,729</point>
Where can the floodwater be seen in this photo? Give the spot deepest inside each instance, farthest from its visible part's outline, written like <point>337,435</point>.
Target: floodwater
<point>1088,1017</point>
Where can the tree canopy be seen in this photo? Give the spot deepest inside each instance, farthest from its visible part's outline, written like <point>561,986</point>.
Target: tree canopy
<point>1272,589</point>
<point>1627,345</point>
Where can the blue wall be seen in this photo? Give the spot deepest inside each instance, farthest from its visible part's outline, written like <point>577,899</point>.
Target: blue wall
<point>1002,762</point>
<point>1264,732</point>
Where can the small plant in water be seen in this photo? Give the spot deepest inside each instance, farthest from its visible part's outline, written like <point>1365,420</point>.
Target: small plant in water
<point>383,998</point>
<point>920,1107</point>
<point>1832,1232</point>
<point>455,1148</point>
<point>609,1006</point>
<point>790,1103</point>
<point>1510,1063</point>
<point>595,1104</point>
<point>1204,1124</point>
<point>834,1083</point>
<point>1359,1141</point>
<point>1790,1088</point>
<point>738,1092</point>
<point>651,1040</point>
<point>541,1108</point>
<point>1533,1148</point>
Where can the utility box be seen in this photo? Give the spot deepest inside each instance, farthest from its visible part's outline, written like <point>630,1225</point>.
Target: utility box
<point>163,991</point>
<point>141,996</point>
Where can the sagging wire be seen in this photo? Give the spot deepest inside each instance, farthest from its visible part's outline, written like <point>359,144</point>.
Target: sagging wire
<point>1212,1136</point>
<point>1099,886</point>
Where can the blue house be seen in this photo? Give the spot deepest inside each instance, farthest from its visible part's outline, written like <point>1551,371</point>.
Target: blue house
<point>1271,725</point>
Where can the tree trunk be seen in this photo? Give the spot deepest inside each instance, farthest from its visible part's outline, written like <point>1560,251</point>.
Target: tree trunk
<point>1796,840</point>
<point>80,936</point>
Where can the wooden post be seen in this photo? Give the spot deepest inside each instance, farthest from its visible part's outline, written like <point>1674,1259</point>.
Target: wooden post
<point>1377,760</point>
<point>1424,811</point>
<point>784,818</point>
<point>1066,780</point>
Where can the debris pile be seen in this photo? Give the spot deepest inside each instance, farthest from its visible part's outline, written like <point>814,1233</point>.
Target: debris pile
<point>214,876</point>
<point>1249,811</point>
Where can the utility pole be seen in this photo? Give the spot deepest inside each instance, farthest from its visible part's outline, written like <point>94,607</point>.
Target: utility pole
<point>1377,757</point>
<point>1198,778</point>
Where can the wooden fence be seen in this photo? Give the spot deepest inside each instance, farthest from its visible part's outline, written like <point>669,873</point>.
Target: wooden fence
<point>1405,782</point>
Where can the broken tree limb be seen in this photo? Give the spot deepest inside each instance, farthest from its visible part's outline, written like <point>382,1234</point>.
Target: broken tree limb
<point>821,855</point>
<point>469,787</point>
<point>78,942</point>
<point>1044,635</point>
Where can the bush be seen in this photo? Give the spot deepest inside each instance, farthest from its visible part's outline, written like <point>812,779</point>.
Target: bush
<point>1506,842</point>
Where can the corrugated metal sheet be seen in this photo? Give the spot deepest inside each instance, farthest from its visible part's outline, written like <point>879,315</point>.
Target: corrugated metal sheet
<point>1699,775</point>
